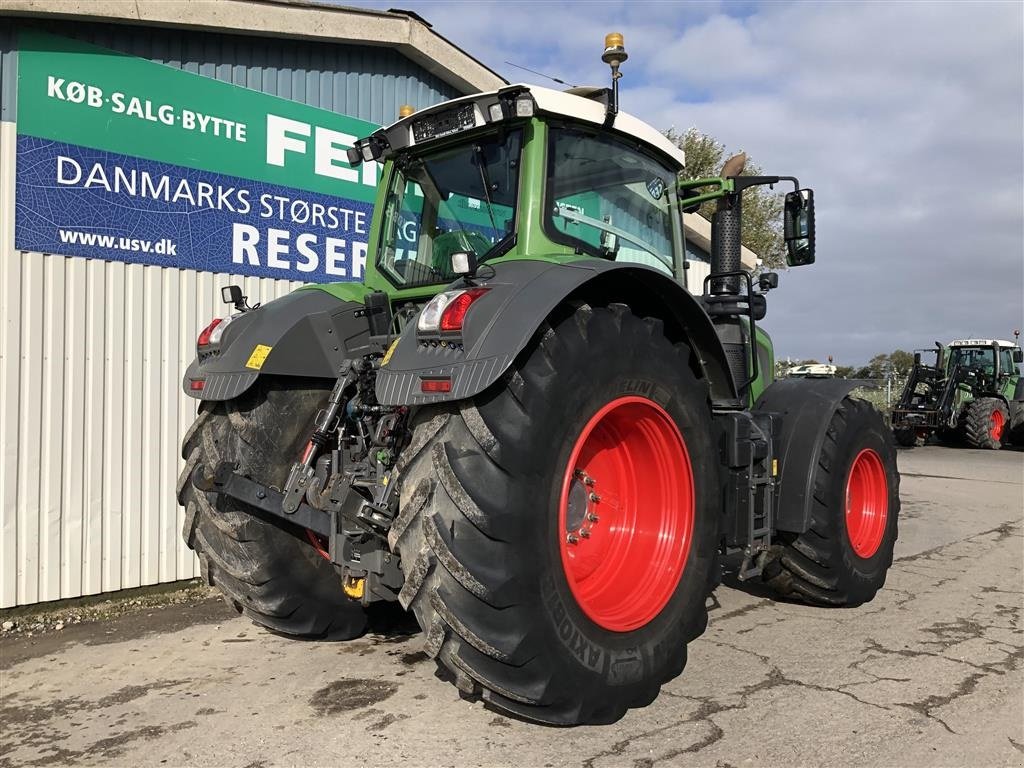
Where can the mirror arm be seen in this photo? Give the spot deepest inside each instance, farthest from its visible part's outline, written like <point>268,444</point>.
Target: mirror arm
<point>724,187</point>
<point>743,182</point>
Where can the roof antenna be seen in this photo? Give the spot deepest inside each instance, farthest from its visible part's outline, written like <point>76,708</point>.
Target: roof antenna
<point>541,74</point>
<point>614,54</point>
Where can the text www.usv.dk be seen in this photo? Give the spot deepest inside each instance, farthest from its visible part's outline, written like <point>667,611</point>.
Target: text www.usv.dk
<point>163,246</point>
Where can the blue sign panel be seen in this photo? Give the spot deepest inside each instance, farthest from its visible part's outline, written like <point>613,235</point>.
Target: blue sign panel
<point>88,202</point>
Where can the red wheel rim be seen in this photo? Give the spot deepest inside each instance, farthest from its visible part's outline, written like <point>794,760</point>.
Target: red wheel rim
<point>867,503</point>
<point>626,513</point>
<point>996,430</point>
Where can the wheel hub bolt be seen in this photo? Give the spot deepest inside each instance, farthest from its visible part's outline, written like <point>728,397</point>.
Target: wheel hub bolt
<point>584,477</point>
<point>592,517</point>
<point>594,497</point>
<point>572,538</point>
<point>584,533</point>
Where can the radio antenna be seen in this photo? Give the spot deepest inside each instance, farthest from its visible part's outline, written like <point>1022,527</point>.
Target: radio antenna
<point>541,74</point>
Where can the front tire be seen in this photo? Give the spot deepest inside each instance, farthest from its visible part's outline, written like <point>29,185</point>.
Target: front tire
<point>906,436</point>
<point>843,558</point>
<point>492,490</point>
<point>270,572</point>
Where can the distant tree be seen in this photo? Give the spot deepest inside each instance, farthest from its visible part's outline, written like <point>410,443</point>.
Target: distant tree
<point>844,371</point>
<point>898,362</point>
<point>901,362</point>
<point>762,208</point>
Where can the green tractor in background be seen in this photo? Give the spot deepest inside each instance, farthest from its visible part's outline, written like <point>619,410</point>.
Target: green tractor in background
<point>972,393</point>
<point>522,427</point>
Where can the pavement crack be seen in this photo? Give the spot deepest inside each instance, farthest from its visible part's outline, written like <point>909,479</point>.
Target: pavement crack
<point>1002,531</point>
<point>738,649</point>
<point>745,610</point>
<point>927,705</point>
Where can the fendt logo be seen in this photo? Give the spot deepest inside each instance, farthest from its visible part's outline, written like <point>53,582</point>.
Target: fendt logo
<point>285,135</point>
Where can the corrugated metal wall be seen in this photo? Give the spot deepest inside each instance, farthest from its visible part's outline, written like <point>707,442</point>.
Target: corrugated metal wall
<point>363,81</point>
<point>695,275</point>
<point>92,352</point>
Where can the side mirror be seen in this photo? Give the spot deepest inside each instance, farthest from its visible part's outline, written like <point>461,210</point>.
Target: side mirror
<point>1018,355</point>
<point>767,281</point>
<point>232,294</point>
<point>798,227</point>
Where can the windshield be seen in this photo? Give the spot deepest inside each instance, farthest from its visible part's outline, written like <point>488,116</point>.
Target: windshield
<point>975,358</point>
<point>458,199</point>
<point>610,199</point>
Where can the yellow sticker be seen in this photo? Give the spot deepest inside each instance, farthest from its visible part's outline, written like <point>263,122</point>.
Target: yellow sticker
<point>389,353</point>
<point>258,356</point>
<point>775,467</point>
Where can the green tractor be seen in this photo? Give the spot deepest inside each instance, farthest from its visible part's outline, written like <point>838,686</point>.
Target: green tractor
<point>521,426</point>
<point>973,393</point>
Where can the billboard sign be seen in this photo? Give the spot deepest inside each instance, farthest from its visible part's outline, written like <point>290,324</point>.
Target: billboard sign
<point>124,159</point>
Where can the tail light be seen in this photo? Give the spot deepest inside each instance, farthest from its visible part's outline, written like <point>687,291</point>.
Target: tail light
<point>207,332</point>
<point>446,312</point>
<point>436,385</point>
<point>213,333</point>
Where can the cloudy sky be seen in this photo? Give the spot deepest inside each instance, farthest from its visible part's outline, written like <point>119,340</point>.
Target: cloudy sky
<point>906,119</point>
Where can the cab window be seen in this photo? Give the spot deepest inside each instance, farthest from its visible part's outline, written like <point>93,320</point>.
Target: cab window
<point>457,199</point>
<point>1006,364</point>
<point>607,198</point>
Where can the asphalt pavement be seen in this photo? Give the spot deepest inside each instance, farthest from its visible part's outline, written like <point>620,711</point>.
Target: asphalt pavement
<point>931,673</point>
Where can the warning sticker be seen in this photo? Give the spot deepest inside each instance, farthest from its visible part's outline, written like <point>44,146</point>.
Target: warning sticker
<point>389,353</point>
<point>258,356</point>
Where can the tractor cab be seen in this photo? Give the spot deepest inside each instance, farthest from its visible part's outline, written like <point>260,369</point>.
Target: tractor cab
<point>522,172</point>
<point>985,360</point>
<point>526,173</point>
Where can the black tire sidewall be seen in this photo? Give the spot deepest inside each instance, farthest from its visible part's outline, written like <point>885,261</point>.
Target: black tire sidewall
<point>263,433</point>
<point>863,576</point>
<point>574,641</point>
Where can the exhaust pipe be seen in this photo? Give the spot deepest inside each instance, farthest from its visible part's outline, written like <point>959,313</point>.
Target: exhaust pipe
<point>726,231</point>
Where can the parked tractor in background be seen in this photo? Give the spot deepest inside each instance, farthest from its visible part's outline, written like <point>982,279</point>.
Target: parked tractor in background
<point>522,427</point>
<point>973,392</point>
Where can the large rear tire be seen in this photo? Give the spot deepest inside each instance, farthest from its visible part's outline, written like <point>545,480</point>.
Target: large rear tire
<point>602,427</point>
<point>985,423</point>
<point>269,572</point>
<point>842,560</point>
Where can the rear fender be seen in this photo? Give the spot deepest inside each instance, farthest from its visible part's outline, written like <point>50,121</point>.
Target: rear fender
<point>806,407</point>
<point>523,293</point>
<point>306,333</point>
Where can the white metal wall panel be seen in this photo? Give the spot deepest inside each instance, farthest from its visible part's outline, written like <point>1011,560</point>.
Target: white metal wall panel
<point>695,275</point>
<point>92,354</point>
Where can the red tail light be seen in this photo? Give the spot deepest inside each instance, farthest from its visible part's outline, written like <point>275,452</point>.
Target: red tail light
<point>204,335</point>
<point>196,385</point>
<point>435,385</point>
<point>455,313</point>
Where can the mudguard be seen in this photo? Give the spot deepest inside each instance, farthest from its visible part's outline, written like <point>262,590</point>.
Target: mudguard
<point>522,294</point>
<point>306,333</point>
<point>806,407</point>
